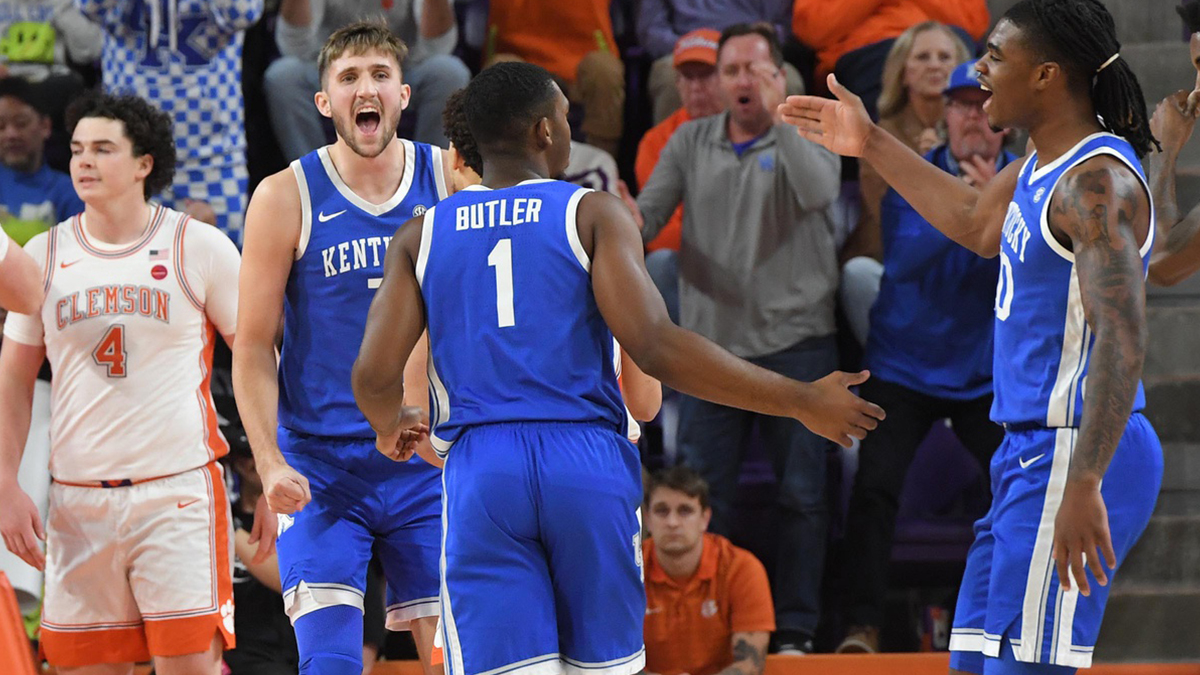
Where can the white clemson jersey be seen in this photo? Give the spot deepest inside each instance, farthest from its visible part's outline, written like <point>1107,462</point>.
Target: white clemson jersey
<point>633,430</point>
<point>129,334</point>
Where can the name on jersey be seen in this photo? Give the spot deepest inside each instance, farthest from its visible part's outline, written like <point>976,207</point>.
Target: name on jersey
<point>108,300</point>
<point>1016,233</point>
<point>354,255</point>
<point>494,213</point>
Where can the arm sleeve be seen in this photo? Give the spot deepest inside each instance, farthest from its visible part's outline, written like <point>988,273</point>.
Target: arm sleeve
<point>27,328</point>
<point>84,40</point>
<point>750,603</point>
<point>301,41</point>
<point>422,47</point>
<point>654,28</point>
<point>663,192</point>
<point>813,173</point>
<point>212,267</point>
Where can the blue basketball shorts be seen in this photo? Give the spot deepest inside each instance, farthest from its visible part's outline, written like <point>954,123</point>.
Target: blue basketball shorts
<point>360,500</point>
<point>1010,596</point>
<point>541,557</point>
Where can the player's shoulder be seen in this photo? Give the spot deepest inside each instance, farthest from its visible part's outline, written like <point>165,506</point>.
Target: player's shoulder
<point>204,236</point>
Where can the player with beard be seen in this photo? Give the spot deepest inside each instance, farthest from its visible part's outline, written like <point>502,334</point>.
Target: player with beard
<point>315,240</point>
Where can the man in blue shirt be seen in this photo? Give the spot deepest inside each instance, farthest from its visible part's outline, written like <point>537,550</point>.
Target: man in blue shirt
<point>33,196</point>
<point>929,350</point>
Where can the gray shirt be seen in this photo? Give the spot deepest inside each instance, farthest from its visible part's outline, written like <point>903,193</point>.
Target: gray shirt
<point>758,264</point>
<point>403,19</point>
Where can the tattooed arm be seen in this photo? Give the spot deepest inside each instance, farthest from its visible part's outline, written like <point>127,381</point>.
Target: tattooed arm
<point>1101,207</point>
<point>749,653</point>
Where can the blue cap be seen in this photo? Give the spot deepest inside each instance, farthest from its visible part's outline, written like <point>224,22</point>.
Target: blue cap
<point>963,76</point>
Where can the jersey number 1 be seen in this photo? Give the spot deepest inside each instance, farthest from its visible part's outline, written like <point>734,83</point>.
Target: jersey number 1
<point>501,259</point>
<point>110,353</point>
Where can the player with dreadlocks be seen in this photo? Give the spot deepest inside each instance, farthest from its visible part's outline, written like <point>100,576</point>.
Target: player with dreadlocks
<point>1077,476</point>
<point>1177,255</point>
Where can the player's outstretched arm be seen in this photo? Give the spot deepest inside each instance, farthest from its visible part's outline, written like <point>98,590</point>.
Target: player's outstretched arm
<point>1176,253</point>
<point>416,393</point>
<point>272,234</point>
<point>394,325</point>
<point>685,361</point>
<point>20,279</point>
<point>972,217</point>
<point>20,523</point>
<point>1101,206</point>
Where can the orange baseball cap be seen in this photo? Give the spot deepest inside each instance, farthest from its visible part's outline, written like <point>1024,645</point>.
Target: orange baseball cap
<point>699,45</point>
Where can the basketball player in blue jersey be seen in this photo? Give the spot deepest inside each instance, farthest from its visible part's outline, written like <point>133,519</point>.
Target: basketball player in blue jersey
<point>316,238</point>
<point>20,279</point>
<point>1076,478</point>
<point>519,280</point>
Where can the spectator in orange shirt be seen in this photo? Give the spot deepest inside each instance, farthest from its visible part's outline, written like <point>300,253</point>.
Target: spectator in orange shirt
<point>695,62</point>
<point>854,40</point>
<point>708,603</point>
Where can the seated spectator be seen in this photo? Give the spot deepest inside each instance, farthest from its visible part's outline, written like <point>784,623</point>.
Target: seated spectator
<point>854,40</point>
<point>33,197</point>
<point>573,39</point>
<point>757,276</point>
<point>40,42</point>
<point>695,67</point>
<point>431,69</point>
<point>662,25</point>
<point>911,109</point>
<point>186,58</point>
<point>708,603</point>
<point>929,353</point>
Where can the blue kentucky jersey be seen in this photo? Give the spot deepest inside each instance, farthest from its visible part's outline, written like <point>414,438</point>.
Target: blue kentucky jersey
<point>514,331</point>
<point>338,265</point>
<point>1043,343</point>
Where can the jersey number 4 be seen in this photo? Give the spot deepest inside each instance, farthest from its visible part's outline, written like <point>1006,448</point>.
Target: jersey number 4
<point>110,353</point>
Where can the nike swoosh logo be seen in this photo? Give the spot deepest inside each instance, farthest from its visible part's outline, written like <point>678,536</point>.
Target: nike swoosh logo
<point>65,265</point>
<point>1026,462</point>
<point>326,218</point>
<point>187,503</point>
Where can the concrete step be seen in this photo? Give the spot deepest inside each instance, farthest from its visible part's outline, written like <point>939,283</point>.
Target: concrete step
<point>1159,623</point>
<point>1167,553</point>
<point>1162,68</point>
<point>1136,20</point>
<point>1181,468</point>
<point>1173,407</point>
<point>1172,350</point>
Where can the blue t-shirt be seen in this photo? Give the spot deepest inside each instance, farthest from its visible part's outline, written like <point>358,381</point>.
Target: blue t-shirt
<point>45,196</point>
<point>931,325</point>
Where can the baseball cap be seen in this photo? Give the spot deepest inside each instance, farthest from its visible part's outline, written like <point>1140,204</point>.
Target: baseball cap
<point>964,76</point>
<point>699,45</point>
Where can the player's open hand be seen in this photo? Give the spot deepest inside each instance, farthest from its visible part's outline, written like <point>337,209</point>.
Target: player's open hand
<point>285,488</point>
<point>21,525</point>
<point>401,444</point>
<point>841,125</point>
<point>264,532</point>
<point>836,413</point>
<point>1081,537</point>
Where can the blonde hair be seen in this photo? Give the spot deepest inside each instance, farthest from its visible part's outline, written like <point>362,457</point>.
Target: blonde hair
<point>358,38</point>
<point>893,96</point>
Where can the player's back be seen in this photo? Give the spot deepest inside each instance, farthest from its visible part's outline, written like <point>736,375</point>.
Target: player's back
<point>344,240</point>
<point>1043,342</point>
<point>515,334</point>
